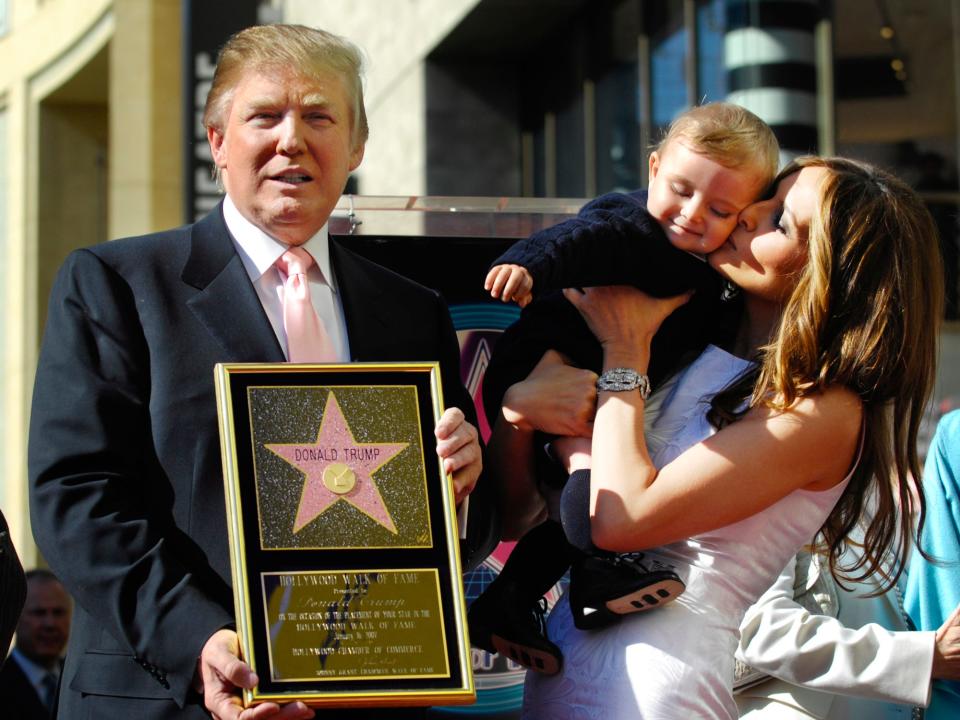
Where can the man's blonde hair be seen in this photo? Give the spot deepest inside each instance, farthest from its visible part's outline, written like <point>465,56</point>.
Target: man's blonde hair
<point>728,134</point>
<point>307,51</point>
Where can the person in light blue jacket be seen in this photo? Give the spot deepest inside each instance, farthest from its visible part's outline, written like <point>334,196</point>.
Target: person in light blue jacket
<point>933,586</point>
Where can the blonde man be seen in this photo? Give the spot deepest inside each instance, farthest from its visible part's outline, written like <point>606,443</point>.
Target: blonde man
<point>126,487</point>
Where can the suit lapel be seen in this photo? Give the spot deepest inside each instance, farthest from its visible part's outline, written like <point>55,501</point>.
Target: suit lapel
<point>227,303</point>
<point>365,309</point>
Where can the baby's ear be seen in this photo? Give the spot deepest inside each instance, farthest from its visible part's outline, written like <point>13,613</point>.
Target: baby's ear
<point>654,165</point>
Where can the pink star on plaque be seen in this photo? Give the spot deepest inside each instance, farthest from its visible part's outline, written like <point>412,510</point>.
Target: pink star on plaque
<point>337,467</point>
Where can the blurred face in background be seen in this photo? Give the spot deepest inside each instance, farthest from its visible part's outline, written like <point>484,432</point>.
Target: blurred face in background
<point>45,622</point>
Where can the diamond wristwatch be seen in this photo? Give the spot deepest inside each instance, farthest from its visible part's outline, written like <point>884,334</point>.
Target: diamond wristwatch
<point>622,379</point>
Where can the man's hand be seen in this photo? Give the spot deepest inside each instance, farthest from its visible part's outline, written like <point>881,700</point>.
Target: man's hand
<point>222,674</point>
<point>946,650</point>
<point>458,446</point>
<point>510,282</point>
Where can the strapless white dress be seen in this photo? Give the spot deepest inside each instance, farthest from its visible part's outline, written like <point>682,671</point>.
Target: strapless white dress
<point>677,661</point>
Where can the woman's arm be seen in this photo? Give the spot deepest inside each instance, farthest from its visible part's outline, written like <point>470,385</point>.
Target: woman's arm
<point>780,637</point>
<point>555,398</point>
<point>741,470</point>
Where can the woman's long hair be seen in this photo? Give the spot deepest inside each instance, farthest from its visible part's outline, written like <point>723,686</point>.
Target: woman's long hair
<point>865,314</point>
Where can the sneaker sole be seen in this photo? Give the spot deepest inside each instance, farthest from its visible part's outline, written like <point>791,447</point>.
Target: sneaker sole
<point>531,658</point>
<point>647,598</point>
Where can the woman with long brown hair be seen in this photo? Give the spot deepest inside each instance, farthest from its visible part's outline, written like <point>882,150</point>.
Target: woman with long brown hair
<point>812,408</point>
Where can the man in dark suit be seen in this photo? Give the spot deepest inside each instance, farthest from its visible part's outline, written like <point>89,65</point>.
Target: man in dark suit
<point>29,678</point>
<point>13,588</point>
<point>126,485</point>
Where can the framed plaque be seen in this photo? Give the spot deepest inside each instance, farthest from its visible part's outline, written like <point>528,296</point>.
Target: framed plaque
<point>343,535</point>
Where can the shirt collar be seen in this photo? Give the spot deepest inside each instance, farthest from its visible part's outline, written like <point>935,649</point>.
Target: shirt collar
<point>259,251</point>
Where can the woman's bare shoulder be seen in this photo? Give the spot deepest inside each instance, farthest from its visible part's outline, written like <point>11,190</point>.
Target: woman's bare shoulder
<point>835,406</point>
<point>832,423</point>
<point>838,406</point>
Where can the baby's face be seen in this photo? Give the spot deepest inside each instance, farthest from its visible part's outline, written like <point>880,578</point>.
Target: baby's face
<point>696,199</point>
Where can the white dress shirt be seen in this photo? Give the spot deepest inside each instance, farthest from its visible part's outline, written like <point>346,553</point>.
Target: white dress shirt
<point>259,253</point>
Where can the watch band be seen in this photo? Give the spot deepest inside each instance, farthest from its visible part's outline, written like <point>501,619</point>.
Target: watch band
<point>622,379</point>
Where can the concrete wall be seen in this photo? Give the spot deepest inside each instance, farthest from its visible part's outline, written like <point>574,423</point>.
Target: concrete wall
<point>90,149</point>
<point>396,35</point>
<point>145,118</point>
<point>472,118</point>
<point>73,169</point>
<point>46,45</point>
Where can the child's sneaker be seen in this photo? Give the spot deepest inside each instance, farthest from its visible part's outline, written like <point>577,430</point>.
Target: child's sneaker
<point>605,587</point>
<point>501,622</point>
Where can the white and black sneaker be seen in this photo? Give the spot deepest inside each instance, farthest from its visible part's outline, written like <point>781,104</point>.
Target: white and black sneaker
<point>605,587</point>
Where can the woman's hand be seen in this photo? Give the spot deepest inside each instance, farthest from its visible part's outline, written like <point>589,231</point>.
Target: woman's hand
<point>555,398</point>
<point>621,316</point>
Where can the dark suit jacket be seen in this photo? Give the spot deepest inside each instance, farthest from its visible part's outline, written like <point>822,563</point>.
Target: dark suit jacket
<point>13,588</point>
<point>127,494</point>
<point>18,697</point>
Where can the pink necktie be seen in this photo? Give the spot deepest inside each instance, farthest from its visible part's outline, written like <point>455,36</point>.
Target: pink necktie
<point>307,339</point>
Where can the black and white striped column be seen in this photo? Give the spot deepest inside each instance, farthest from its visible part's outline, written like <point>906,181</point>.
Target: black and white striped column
<point>769,54</point>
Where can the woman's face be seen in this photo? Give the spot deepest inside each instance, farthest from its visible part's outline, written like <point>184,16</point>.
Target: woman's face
<point>769,245</point>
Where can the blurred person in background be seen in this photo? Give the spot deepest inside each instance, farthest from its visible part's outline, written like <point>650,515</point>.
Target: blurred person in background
<point>933,584</point>
<point>29,678</point>
<point>13,588</point>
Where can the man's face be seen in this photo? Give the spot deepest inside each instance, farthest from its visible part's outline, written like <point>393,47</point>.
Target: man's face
<point>45,622</point>
<point>696,199</point>
<point>286,150</point>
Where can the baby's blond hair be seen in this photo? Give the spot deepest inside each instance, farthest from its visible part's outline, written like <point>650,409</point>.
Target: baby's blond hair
<point>728,134</point>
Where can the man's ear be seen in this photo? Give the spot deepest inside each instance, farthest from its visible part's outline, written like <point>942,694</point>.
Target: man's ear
<point>216,138</point>
<point>356,156</point>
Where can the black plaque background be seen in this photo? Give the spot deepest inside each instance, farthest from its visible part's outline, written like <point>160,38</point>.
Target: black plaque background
<point>292,561</point>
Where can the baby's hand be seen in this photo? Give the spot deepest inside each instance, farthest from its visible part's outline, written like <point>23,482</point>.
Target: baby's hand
<point>510,282</point>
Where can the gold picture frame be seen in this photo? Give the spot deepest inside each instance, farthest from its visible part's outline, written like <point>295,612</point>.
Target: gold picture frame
<point>343,535</point>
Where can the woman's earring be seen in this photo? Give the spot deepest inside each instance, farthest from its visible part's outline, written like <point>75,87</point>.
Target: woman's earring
<point>730,291</point>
